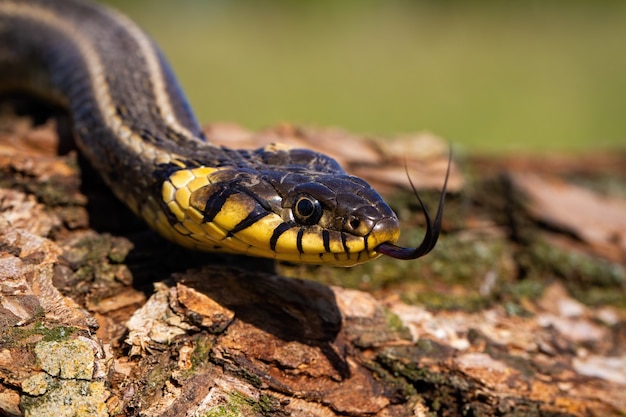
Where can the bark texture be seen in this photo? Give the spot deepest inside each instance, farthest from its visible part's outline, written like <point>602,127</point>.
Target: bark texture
<point>521,309</point>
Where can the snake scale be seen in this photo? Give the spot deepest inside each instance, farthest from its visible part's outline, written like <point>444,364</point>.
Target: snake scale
<point>134,125</point>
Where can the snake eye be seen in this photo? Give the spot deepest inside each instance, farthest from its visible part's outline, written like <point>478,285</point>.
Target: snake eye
<point>307,210</point>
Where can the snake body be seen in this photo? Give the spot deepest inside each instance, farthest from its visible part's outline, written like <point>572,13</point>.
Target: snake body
<point>134,125</point>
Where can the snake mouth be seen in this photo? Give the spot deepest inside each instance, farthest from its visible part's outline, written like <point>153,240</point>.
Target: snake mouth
<point>433,227</point>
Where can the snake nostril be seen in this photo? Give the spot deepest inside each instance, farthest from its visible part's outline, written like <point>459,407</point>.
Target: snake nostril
<point>354,223</point>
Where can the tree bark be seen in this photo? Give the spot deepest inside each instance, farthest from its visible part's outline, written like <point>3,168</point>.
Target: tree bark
<point>520,311</point>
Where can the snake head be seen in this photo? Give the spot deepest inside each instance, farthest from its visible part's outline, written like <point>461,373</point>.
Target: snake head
<point>312,212</point>
<point>329,218</point>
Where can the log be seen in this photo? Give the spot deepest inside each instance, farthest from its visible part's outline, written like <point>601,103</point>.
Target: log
<point>511,315</point>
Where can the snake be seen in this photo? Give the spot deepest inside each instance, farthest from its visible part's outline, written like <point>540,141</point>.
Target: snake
<point>132,122</point>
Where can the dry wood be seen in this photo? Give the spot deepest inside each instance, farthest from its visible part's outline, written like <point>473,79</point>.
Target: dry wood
<point>99,316</point>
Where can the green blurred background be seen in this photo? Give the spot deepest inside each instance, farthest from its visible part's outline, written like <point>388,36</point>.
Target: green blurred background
<point>490,76</point>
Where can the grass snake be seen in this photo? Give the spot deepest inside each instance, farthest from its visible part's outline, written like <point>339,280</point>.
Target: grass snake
<point>134,125</point>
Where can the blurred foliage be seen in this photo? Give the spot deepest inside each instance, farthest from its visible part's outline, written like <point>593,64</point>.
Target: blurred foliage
<point>488,75</point>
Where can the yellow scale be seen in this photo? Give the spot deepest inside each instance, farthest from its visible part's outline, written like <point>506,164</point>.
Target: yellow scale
<point>194,232</point>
